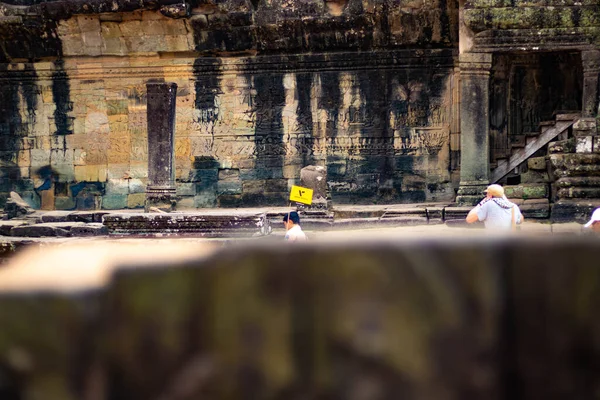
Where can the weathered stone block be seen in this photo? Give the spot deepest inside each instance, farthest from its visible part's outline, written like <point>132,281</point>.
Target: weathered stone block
<point>535,208</point>
<point>276,185</point>
<point>205,162</point>
<point>562,146</point>
<point>229,174</point>
<point>229,187</point>
<point>229,200</point>
<point>199,21</point>
<point>253,186</point>
<point>89,200</point>
<point>186,189</point>
<point>315,178</point>
<point>130,28</point>
<point>89,229</point>
<point>136,200</point>
<point>583,144</point>
<point>114,201</point>
<point>116,107</point>
<point>585,124</point>
<point>568,210</point>
<point>92,42</point>
<point>136,186</point>
<point>47,199</point>
<point>537,163</point>
<point>64,172</point>
<point>110,30</point>
<point>174,27</point>
<point>117,186</point>
<point>527,191</point>
<point>596,144</point>
<point>249,174</point>
<point>6,226</point>
<point>64,203</point>
<point>113,46</point>
<point>152,27</point>
<point>186,203</point>
<point>88,23</point>
<point>535,191</point>
<point>292,171</point>
<point>86,173</point>
<point>205,199</point>
<point>579,193</point>
<point>533,176</point>
<point>204,177</point>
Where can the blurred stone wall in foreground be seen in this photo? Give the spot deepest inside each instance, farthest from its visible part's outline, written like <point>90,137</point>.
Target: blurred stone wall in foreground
<point>477,319</point>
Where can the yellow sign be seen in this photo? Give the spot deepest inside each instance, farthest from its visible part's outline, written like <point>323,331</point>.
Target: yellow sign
<point>301,194</point>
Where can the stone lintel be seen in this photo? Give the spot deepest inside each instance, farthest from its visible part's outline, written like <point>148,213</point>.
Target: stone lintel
<point>534,40</point>
<point>475,63</point>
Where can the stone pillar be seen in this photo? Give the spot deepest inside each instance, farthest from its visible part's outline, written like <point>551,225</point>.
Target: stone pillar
<point>160,192</point>
<point>590,60</point>
<point>474,126</point>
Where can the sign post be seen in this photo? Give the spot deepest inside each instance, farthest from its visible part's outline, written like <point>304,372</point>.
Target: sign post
<point>301,194</point>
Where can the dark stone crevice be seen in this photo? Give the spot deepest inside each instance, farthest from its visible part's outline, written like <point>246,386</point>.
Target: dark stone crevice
<point>61,94</point>
<point>304,137</point>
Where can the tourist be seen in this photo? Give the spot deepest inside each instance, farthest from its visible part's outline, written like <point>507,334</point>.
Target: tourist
<point>594,222</point>
<point>495,211</point>
<point>294,233</point>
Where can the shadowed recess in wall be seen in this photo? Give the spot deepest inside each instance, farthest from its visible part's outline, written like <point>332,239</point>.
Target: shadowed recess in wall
<point>270,149</point>
<point>61,94</point>
<point>395,121</point>
<point>11,130</point>
<point>330,101</point>
<point>376,89</point>
<point>205,168</point>
<point>208,87</point>
<point>304,130</point>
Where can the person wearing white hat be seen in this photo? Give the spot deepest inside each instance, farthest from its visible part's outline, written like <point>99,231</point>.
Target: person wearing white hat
<point>594,222</point>
<point>495,211</point>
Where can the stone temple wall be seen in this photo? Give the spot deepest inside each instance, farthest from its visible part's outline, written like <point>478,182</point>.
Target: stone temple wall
<point>261,93</point>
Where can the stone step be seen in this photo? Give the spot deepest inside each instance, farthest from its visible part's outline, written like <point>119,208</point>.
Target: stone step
<point>527,191</point>
<point>209,224</point>
<point>578,210</point>
<point>579,193</point>
<point>404,212</point>
<point>73,216</point>
<point>566,115</point>
<point>61,229</point>
<point>6,226</point>
<point>535,208</point>
<point>578,181</point>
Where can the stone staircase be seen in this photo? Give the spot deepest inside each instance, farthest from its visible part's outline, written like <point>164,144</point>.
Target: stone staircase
<point>526,174</point>
<point>525,146</point>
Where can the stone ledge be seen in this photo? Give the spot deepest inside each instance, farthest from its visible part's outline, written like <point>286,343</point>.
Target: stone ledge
<point>215,224</point>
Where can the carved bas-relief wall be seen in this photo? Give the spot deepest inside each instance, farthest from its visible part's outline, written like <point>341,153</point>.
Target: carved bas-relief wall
<point>244,129</point>
<point>264,89</point>
<point>380,128</point>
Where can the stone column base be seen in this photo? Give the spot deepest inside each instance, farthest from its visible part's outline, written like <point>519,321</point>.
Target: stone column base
<point>162,197</point>
<point>470,194</point>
